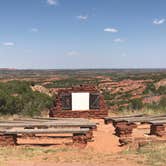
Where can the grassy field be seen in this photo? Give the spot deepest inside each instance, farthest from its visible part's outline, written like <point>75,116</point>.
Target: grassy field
<point>62,155</point>
<point>152,154</point>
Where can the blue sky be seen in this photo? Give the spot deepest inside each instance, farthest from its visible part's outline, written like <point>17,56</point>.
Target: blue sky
<point>82,34</point>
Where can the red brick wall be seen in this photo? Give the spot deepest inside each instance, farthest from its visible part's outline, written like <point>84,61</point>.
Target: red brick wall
<point>57,111</point>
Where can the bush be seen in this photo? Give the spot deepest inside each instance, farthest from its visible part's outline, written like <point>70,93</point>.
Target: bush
<point>107,95</point>
<point>161,90</point>
<point>150,89</point>
<point>16,97</point>
<point>136,104</point>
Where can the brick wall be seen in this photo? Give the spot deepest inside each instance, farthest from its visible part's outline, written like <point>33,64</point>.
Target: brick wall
<point>57,111</point>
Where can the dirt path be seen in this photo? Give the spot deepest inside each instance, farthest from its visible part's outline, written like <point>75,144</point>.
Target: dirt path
<point>104,139</point>
<point>35,163</point>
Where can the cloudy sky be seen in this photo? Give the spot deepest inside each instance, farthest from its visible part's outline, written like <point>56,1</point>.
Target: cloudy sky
<point>82,34</point>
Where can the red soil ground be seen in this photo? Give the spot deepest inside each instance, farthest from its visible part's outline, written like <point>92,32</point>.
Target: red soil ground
<point>105,147</point>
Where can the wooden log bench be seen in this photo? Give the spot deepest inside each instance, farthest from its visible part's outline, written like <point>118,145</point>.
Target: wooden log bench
<point>142,118</point>
<point>124,126</point>
<point>61,124</point>
<point>134,121</point>
<point>79,136</point>
<point>146,119</point>
<point>108,120</point>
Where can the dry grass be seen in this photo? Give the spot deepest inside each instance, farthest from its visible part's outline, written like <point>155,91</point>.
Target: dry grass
<point>151,154</point>
<point>132,112</point>
<point>61,155</point>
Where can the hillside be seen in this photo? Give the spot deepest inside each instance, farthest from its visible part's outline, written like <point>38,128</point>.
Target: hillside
<point>123,89</point>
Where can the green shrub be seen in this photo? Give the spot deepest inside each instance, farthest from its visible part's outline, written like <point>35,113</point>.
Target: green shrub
<point>136,104</point>
<point>107,95</point>
<point>16,97</point>
<point>161,90</point>
<point>109,103</point>
<point>150,89</point>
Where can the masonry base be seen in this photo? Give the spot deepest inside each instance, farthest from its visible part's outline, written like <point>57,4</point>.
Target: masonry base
<point>8,140</point>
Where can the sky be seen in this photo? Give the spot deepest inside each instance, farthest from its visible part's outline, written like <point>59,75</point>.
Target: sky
<point>71,34</point>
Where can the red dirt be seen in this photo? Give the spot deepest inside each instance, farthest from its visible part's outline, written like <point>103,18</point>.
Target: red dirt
<point>104,139</point>
<point>114,163</point>
<point>102,152</point>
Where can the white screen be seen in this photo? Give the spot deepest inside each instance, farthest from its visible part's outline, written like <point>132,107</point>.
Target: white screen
<point>80,101</point>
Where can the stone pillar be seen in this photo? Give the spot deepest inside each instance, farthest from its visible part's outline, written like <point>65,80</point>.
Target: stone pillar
<point>8,140</point>
<point>124,131</point>
<point>80,140</point>
<point>157,129</point>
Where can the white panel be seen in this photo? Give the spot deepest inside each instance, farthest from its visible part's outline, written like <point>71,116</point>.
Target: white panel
<point>80,101</point>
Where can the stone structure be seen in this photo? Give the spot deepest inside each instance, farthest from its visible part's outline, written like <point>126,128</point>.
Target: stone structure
<point>8,140</point>
<point>63,106</point>
<point>158,129</point>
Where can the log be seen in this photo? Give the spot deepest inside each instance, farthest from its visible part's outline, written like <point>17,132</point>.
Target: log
<point>45,131</point>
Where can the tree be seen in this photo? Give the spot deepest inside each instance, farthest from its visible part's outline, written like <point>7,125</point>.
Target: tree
<point>161,90</point>
<point>136,104</point>
<point>150,89</point>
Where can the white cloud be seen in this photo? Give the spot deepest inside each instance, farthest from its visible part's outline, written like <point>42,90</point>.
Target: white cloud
<point>34,30</point>
<point>9,44</point>
<point>72,53</point>
<point>83,18</point>
<point>118,40</point>
<point>52,2</point>
<point>113,30</point>
<point>159,21</point>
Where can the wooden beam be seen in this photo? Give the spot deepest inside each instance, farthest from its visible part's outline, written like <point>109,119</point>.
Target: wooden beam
<point>48,124</point>
<point>44,131</point>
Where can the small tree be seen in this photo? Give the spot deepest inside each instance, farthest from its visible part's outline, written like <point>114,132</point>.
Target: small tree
<point>106,95</point>
<point>161,90</point>
<point>136,104</point>
<point>150,89</point>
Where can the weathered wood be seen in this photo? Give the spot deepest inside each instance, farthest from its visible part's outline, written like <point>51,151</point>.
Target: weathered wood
<point>108,120</point>
<point>69,119</point>
<point>80,130</point>
<point>47,125</point>
<point>46,121</point>
<point>125,116</point>
<point>146,120</point>
<point>155,122</point>
<point>139,119</point>
<point>44,131</point>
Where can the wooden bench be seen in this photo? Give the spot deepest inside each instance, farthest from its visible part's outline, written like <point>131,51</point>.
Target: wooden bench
<point>79,136</point>
<point>146,119</point>
<point>108,120</point>
<point>80,130</point>
<point>124,126</point>
<point>46,125</point>
<point>135,120</point>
